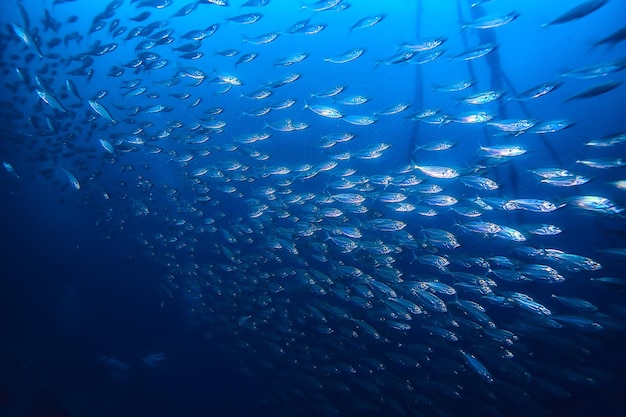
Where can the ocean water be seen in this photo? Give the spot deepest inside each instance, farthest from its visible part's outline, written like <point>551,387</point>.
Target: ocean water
<point>299,208</point>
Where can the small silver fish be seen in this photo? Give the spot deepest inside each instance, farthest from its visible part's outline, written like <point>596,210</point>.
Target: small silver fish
<point>50,100</point>
<point>101,110</point>
<point>346,56</point>
<point>10,169</point>
<point>25,36</point>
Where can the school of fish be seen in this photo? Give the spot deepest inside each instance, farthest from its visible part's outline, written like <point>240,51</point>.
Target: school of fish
<point>344,243</point>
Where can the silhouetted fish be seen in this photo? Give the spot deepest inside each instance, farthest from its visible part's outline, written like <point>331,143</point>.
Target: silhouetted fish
<point>578,12</point>
<point>596,90</point>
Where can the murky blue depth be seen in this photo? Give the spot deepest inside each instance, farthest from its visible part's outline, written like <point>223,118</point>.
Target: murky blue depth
<point>312,208</point>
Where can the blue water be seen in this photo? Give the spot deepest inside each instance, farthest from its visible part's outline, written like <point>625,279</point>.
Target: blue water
<point>156,289</point>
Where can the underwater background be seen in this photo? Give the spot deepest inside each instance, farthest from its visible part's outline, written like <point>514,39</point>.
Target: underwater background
<point>311,208</point>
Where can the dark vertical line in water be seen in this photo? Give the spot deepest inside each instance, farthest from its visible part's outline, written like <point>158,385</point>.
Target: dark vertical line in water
<point>485,37</point>
<point>418,99</point>
<point>497,76</point>
<point>470,66</point>
<point>488,36</point>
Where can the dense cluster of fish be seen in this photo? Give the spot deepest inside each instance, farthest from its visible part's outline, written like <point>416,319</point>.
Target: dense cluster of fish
<point>341,250</point>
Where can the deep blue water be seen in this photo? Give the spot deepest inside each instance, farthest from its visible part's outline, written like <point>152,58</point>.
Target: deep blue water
<point>157,289</point>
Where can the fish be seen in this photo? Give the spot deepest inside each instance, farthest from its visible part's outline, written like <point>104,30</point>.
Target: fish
<point>185,10</point>
<point>545,230</point>
<point>577,12</point>
<point>346,56</point>
<point>264,159</point>
<point>256,3</point>
<point>101,110</point>
<point>313,29</point>
<point>353,100</point>
<point>477,367</point>
<point>325,111</point>
<point>551,172</point>
<point>349,198</point>
<point>473,117</point>
<point>359,120</point>
<point>9,168</point>
<point>567,181</point>
<point>423,58</point>
<point>594,91</point>
<point>49,22</point>
<point>71,178</point>
<point>330,92</point>
<point>263,39</point>
<point>287,125</point>
<point>424,44</point>
<point>72,89</point>
<point>50,99</point>
<point>246,19</point>
<point>287,79</point>
<point>531,204</point>
<point>608,140</point>
<point>480,183</point>
<point>367,21</point>
<point>157,4</point>
<point>491,21</point>
<point>435,171</point>
<point>538,91</point>
<point>483,97</point>
<point>154,360</point>
<point>513,126</point>
<point>454,86</point>
<point>613,39</point>
<point>26,38</point>
<point>141,16</point>
<point>108,146</point>
<point>480,227</point>
<point>529,304</point>
<point>387,225</point>
<point>292,59</point>
<point>601,69</point>
<point>322,5</point>
<point>551,126</point>
<point>595,204</point>
<point>602,163</point>
<point>224,78</point>
<point>502,151</point>
<point>394,109</point>
<point>475,53</point>
<point>398,58</point>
